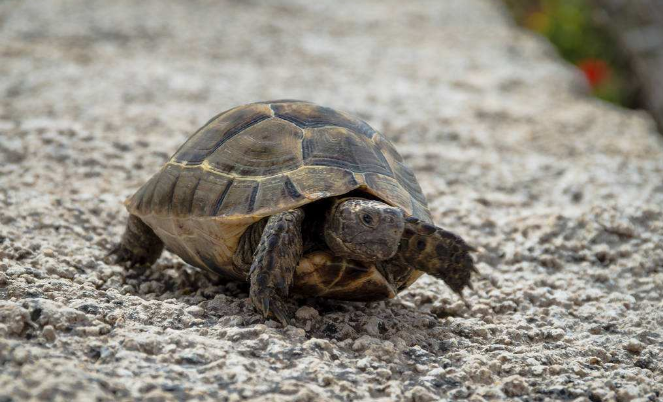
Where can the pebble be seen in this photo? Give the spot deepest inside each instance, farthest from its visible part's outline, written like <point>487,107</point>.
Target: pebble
<point>295,332</point>
<point>364,363</point>
<point>556,334</point>
<point>364,342</point>
<point>195,311</point>
<point>634,346</point>
<point>307,313</point>
<point>326,380</point>
<point>49,333</point>
<point>556,369</point>
<point>484,376</point>
<point>372,326</point>
<point>21,355</point>
<point>515,386</point>
<point>421,394</point>
<point>628,393</point>
<point>537,370</point>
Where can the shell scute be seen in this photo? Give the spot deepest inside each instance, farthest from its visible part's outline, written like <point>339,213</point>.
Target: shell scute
<point>220,130</point>
<point>266,148</point>
<point>316,182</point>
<point>389,190</point>
<point>277,192</point>
<point>338,147</point>
<point>309,115</point>
<point>163,190</point>
<point>240,198</point>
<point>210,193</point>
<point>184,191</point>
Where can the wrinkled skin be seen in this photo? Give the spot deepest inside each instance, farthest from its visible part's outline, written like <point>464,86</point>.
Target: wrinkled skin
<point>364,230</point>
<point>367,230</point>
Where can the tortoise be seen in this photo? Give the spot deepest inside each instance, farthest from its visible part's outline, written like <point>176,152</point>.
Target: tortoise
<point>293,197</point>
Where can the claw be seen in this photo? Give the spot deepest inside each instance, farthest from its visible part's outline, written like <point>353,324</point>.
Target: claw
<point>467,303</point>
<point>265,306</point>
<point>116,255</point>
<point>269,304</point>
<point>113,250</point>
<point>278,312</point>
<point>121,255</point>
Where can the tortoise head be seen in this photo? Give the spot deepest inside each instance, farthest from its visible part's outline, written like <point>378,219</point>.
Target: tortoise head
<point>363,230</point>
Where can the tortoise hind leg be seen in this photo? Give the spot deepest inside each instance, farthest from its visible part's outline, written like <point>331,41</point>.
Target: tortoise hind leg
<point>274,263</point>
<point>139,244</point>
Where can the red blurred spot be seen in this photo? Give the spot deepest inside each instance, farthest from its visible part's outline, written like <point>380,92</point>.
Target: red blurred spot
<point>596,71</point>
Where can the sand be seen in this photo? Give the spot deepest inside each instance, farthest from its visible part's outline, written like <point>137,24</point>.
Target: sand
<point>561,194</point>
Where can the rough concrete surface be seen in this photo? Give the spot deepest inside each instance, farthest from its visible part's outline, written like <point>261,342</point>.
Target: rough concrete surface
<point>561,194</point>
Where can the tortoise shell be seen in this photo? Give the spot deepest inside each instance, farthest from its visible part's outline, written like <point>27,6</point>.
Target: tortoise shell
<point>256,160</point>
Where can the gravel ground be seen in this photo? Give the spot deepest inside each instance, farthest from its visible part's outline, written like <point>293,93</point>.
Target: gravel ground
<point>561,194</point>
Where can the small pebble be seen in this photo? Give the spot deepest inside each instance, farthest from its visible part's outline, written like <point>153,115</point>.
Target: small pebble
<point>372,326</point>
<point>295,332</point>
<point>628,393</point>
<point>195,311</point>
<point>421,394</point>
<point>326,380</point>
<point>21,355</point>
<point>557,334</point>
<point>515,386</point>
<point>484,375</point>
<point>307,313</point>
<point>634,346</point>
<point>49,333</point>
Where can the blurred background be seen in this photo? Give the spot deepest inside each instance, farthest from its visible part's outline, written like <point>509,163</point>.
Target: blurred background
<point>617,44</point>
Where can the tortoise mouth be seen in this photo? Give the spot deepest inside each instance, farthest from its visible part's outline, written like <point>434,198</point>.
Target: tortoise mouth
<point>371,251</point>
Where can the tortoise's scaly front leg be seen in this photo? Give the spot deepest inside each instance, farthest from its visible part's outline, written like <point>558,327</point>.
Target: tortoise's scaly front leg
<point>274,263</point>
<point>437,252</point>
<point>139,244</point>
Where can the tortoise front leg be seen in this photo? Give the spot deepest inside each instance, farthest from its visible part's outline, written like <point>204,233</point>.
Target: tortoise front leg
<point>274,263</point>
<point>437,252</point>
<point>139,244</point>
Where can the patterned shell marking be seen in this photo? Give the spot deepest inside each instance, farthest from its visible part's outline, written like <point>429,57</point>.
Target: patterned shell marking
<point>259,159</point>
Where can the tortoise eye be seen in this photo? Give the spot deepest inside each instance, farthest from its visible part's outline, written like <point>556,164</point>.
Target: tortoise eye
<point>367,219</point>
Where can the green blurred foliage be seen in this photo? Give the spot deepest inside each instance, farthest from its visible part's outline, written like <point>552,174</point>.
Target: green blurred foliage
<point>568,24</point>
